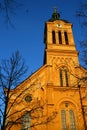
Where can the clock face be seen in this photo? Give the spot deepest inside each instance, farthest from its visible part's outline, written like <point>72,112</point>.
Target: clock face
<point>58,25</point>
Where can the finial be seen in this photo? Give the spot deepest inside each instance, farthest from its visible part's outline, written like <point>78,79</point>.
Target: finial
<point>55,15</point>
<point>55,9</point>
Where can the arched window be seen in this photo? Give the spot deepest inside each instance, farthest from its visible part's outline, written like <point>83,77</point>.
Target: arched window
<point>60,37</point>
<point>66,38</point>
<point>53,37</point>
<point>26,121</point>
<point>64,77</point>
<point>68,120</point>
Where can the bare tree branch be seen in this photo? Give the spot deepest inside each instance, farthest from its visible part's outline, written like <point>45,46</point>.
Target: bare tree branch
<point>10,8</point>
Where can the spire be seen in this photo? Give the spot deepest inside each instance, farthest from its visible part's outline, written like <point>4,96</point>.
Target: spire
<point>55,14</point>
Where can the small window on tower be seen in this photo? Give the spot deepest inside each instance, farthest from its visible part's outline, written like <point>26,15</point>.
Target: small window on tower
<point>60,37</point>
<point>66,38</point>
<point>53,37</point>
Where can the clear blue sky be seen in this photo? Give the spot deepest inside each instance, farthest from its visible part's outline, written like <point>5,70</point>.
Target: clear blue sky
<point>27,37</point>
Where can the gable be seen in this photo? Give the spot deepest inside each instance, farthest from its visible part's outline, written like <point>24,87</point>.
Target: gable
<point>36,80</point>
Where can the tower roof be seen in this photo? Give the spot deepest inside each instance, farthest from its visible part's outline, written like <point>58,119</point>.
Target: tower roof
<point>56,16</point>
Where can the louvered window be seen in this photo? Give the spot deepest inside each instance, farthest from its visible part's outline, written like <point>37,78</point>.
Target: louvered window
<point>66,38</point>
<point>53,37</point>
<point>60,37</point>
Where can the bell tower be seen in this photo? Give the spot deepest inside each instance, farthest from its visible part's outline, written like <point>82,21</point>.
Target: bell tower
<point>58,39</point>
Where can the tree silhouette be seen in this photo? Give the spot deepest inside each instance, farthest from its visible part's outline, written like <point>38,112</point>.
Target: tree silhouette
<point>9,9</point>
<point>82,15</point>
<point>11,71</point>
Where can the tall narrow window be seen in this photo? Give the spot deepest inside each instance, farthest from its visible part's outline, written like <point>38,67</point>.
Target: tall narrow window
<point>53,37</point>
<point>60,37</point>
<point>64,77</point>
<point>63,118</point>
<point>66,38</point>
<point>61,78</point>
<point>26,122</point>
<point>72,120</point>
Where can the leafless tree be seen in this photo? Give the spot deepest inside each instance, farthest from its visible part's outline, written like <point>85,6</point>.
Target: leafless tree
<point>12,96</point>
<point>82,15</point>
<point>9,9</point>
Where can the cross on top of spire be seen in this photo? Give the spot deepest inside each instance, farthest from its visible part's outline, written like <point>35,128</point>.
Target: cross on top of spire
<point>55,9</point>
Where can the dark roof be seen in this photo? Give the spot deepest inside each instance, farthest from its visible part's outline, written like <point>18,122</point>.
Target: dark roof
<point>56,16</point>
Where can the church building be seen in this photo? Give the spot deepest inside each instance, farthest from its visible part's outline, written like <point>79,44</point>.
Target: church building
<point>55,96</point>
